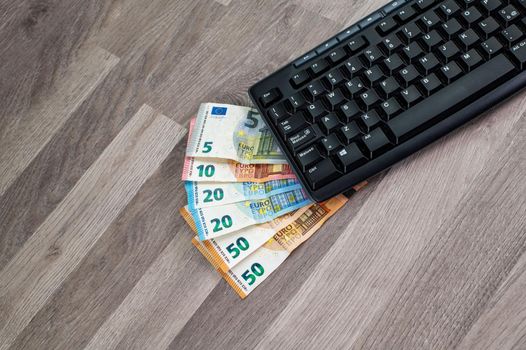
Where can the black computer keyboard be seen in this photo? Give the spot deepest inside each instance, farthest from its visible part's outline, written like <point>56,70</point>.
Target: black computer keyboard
<point>391,84</point>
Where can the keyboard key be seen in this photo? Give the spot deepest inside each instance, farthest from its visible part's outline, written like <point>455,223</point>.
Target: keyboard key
<point>304,59</point>
<point>315,89</point>
<point>370,120</point>
<point>277,112</point>
<point>329,123</point>
<point>308,157</point>
<point>334,98</point>
<point>297,101</point>
<point>429,63</point>
<point>322,173</point>
<point>354,66</point>
<point>420,116</point>
<point>405,14</point>
<point>492,47</point>
<point>330,144</point>
<point>448,51</point>
<point>449,9</point>
<point>350,157</point>
<point>369,99</point>
<point>393,6</point>
<point>326,46</point>
<point>471,60</point>
<point>468,39</point>
<point>336,56</point>
<point>389,86</point>
<point>411,96</point>
<point>489,26</point>
<point>348,33</point>
<point>315,111</point>
<point>431,40</point>
<point>299,79</point>
<point>371,19</point>
<point>354,87</point>
<point>376,142</point>
<point>391,44</point>
<point>451,28</point>
<point>350,110</point>
<point>334,78</point>
<point>373,75</point>
<point>409,75</point>
<point>350,132</point>
<point>304,138</point>
<point>424,4</point>
<point>391,108</point>
<point>292,124</point>
<point>509,14</point>
<point>270,97</point>
<point>410,32</point>
<point>431,84</point>
<point>319,67</point>
<point>393,63</point>
<point>430,20</point>
<point>519,53</point>
<point>373,55</point>
<point>412,52</point>
<point>512,34</point>
<point>491,6</point>
<point>450,72</point>
<point>386,26</point>
<point>471,16</point>
<point>357,44</point>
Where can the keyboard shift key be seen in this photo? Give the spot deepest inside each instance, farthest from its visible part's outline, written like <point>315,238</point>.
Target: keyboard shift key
<point>350,157</point>
<point>322,173</point>
<point>308,157</point>
<point>376,142</point>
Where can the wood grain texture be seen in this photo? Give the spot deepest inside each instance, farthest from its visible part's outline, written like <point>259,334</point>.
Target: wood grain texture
<point>93,253</point>
<point>22,139</point>
<point>58,245</point>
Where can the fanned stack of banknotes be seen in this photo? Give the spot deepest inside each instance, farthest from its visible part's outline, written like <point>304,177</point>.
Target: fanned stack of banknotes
<point>248,210</point>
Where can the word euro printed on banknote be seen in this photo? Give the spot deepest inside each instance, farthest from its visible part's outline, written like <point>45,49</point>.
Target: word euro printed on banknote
<point>227,251</point>
<point>217,221</point>
<point>212,194</point>
<point>232,132</point>
<point>254,269</point>
<point>217,170</point>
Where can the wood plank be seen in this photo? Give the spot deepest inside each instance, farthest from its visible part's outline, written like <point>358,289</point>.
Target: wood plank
<point>453,279</point>
<point>23,138</point>
<point>60,243</point>
<point>341,11</point>
<point>207,328</point>
<point>114,265</point>
<point>502,325</point>
<point>162,301</point>
<point>256,38</point>
<point>364,268</point>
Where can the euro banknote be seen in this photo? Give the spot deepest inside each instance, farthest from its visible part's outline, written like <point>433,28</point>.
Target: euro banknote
<point>218,221</point>
<point>232,132</point>
<point>254,269</point>
<point>227,251</point>
<point>212,194</point>
<point>217,170</point>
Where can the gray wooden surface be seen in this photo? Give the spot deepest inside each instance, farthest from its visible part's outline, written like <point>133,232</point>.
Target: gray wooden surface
<point>95,98</point>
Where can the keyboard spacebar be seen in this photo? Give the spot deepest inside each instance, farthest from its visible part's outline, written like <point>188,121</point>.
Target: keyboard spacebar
<point>457,94</point>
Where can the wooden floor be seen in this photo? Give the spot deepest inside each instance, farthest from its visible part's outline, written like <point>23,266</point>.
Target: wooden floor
<point>95,98</point>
